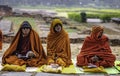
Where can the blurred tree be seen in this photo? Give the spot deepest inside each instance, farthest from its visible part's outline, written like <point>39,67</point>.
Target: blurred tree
<point>83,16</point>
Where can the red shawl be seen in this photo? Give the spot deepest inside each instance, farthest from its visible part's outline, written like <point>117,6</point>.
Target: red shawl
<point>93,46</point>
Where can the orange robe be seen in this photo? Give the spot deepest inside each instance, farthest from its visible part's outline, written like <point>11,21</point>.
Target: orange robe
<point>58,46</point>
<point>1,40</point>
<point>93,46</point>
<point>36,47</point>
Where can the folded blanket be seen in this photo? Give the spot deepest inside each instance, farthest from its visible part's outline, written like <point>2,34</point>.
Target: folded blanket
<point>51,69</point>
<point>117,65</point>
<point>69,70</point>
<point>16,68</point>
<point>94,70</point>
<point>64,70</point>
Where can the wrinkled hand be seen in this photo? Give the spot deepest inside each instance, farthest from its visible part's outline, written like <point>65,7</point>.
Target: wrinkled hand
<point>95,58</point>
<point>60,62</point>
<point>30,54</point>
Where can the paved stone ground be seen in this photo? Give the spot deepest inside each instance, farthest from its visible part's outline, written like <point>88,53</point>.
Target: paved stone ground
<point>111,26</point>
<point>48,74</point>
<point>6,27</point>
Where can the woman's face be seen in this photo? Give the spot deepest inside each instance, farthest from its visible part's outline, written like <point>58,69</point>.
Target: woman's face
<point>58,28</point>
<point>25,31</point>
<point>100,34</point>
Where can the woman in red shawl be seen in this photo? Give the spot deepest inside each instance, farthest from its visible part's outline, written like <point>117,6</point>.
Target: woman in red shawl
<point>25,49</point>
<point>58,45</point>
<point>96,50</point>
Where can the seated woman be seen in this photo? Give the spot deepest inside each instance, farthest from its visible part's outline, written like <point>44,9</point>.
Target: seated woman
<point>96,50</point>
<point>25,49</point>
<point>0,40</point>
<point>58,45</point>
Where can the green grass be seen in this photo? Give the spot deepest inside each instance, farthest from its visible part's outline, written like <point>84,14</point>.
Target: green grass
<point>69,9</point>
<point>18,20</point>
<point>88,10</point>
<point>104,14</point>
<point>70,30</point>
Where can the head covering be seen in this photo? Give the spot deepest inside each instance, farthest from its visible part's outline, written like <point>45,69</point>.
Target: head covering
<point>25,24</point>
<point>54,23</point>
<point>96,30</point>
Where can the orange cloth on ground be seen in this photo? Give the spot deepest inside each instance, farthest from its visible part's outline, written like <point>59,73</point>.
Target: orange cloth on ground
<point>1,40</point>
<point>58,46</point>
<point>96,46</point>
<point>36,47</point>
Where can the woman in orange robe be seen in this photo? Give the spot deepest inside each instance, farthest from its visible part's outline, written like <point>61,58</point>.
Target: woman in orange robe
<point>96,50</point>
<point>26,48</point>
<point>1,40</point>
<point>58,45</point>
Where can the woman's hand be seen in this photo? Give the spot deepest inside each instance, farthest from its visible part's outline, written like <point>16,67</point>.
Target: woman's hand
<point>95,58</point>
<point>30,54</point>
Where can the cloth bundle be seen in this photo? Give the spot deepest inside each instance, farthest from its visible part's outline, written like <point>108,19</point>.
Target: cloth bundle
<point>53,68</point>
<point>94,70</point>
<point>15,68</point>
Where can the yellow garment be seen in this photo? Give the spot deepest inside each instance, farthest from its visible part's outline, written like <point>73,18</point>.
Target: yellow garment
<point>95,70</point>
<point>58,44</point>
<point>15,68</point>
